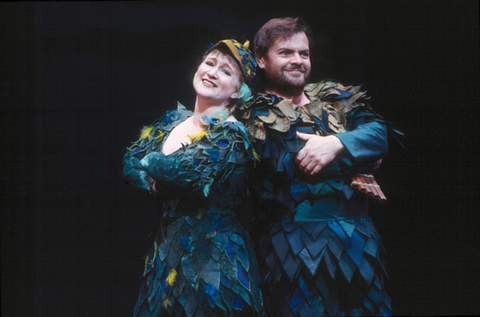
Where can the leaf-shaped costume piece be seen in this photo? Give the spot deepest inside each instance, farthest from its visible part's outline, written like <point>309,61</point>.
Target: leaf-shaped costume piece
<point>324,268</point>
<point>322,255</point>
<point>201,262</point>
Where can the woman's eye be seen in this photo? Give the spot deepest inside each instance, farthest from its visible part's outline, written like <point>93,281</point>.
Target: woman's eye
<point>226,72</point>
<point>209,63</point>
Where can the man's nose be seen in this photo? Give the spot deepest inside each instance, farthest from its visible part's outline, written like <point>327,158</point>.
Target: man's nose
<point>296,59</point>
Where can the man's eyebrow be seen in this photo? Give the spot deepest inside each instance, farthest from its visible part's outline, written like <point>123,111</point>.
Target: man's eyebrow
<point>284,49</point>
<point>291,50</point>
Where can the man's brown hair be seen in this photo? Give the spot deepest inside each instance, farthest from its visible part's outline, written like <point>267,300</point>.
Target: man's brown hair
<point>279,27</point>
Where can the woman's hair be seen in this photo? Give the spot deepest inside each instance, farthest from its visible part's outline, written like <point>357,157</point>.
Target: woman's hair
<point>281,27</point>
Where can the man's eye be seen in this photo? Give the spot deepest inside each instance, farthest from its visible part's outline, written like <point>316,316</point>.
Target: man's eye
<point>284,53</point>
<point>305,55</point>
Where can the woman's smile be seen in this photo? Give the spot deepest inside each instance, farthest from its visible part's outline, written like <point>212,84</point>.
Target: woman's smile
<point>208,83</point>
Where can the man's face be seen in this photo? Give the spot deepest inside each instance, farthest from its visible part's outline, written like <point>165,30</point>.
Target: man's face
<point>287,64</point>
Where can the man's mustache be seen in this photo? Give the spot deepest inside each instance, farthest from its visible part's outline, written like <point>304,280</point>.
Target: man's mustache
<point>290,68</point>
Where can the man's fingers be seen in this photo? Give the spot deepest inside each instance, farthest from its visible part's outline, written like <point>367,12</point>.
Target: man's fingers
<point>317,169</point>
<point>304,136</point>
<point>300,156</point>
<point>302,165</point>
<point>310,167</point>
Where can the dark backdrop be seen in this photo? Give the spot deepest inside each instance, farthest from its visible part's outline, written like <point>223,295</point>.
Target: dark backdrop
<point>80,79</point>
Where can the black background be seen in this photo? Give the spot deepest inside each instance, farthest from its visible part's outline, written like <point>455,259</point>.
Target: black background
<point>79,80</point>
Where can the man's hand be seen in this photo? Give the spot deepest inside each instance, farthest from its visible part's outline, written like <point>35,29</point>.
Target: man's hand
<point>317,152</point>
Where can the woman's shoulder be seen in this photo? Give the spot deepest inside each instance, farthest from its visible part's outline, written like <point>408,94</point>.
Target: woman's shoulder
<point>230,128</point>
<point>168,121</point>
<point>229,135</point>
<point>172,118</point>
<point>153,134</point>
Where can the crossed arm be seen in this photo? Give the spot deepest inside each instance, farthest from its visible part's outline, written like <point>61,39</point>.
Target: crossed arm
<point>367,142</point>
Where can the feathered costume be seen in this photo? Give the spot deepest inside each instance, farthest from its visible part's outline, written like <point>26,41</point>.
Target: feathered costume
<point>201,262</point>
<point>321,255</point>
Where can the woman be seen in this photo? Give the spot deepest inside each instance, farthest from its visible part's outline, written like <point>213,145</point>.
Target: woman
<point>201,262</point>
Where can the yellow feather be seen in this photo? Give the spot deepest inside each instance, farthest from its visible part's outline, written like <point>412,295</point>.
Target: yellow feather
<point>146,262</point>
<point>197,136</point>
<point>155,248</point>
<point>171,277</point>
<point>255,154</point>
<point>160,135</point>
<point>246,44</point>
<point>145,132</point>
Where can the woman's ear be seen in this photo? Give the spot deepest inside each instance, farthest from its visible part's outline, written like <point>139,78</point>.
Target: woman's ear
<point>234,95</point>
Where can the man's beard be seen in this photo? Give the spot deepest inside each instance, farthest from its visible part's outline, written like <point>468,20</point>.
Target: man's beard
<point>287,85</point>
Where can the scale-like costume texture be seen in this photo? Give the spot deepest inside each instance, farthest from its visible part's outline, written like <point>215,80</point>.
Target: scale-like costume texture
<point>321,255</point>
<point>201,262</point>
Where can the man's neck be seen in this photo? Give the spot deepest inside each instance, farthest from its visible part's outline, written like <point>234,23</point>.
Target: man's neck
<point>298,99</point>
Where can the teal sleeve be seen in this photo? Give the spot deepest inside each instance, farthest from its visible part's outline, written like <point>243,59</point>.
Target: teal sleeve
<point>367,142</point>
<point>135,173</point>
<point>201,164</point>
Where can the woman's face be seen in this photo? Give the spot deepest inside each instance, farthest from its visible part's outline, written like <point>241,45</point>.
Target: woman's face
<point>218,78</point>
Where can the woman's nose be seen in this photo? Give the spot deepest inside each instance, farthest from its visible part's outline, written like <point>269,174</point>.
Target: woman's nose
<point>212,72</point>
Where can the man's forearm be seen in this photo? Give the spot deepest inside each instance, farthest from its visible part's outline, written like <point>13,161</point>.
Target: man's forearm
<point>367,142</point>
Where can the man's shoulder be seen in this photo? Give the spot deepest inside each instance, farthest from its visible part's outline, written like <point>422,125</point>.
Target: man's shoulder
<point>321,85</point>
<point>332,90</point>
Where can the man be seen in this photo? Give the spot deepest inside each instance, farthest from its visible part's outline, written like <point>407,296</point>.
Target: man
<point>321,254</point>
